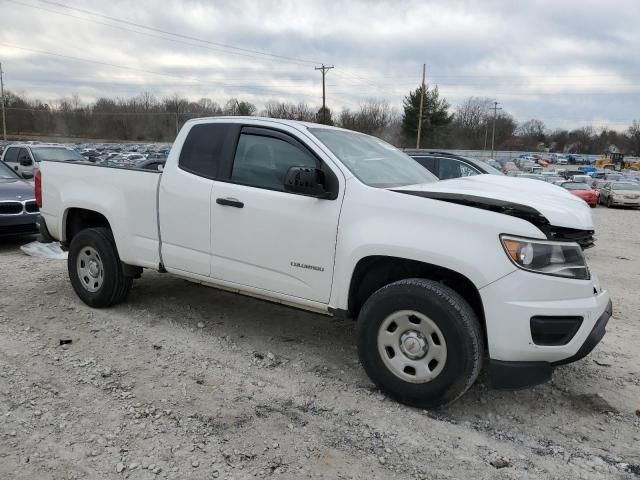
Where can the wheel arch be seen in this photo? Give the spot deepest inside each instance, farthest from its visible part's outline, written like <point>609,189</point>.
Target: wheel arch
<point>374,272</point>
<point>77,219</point>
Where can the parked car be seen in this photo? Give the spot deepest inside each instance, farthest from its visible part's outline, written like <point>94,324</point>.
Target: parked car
<point>581,179</point>
<point>583,191</point>
<point>570,173</point>
<point>509,167</point>
<point>25,158</point>
<point>18,208</point>
<point>598,184</point>
<point>623,194</point>
<point>447,165</point>
<point>588,170</point>
<point>532,176</point>
<point>342,223</point>
<point>553,179</point>
<point>613,177</point>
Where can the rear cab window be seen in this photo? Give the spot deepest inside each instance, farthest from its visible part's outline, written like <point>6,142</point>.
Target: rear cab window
<point>206,147</point>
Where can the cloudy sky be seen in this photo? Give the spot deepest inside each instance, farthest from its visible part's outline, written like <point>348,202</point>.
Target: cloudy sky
<point>569,63</point>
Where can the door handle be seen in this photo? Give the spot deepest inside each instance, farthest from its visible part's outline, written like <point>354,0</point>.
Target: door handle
<point>230,202</point>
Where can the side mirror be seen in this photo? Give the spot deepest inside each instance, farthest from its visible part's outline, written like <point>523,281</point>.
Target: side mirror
<point>307,181</point>
<point>26,162</point>
<point>27,176</point>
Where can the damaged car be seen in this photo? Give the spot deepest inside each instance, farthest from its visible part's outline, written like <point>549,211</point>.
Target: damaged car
<point>444,277</point>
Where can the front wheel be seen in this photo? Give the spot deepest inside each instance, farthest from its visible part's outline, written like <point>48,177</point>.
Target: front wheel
<point>420,341</point>
<point>95,269</point>
<point>609,204</point>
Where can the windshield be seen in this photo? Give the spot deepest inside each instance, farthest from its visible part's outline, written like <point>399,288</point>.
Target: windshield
<point>576,186</point>
<point>626,186</point>
<point>373,161</point>
<point>6,173</point>
<point>56,153</point>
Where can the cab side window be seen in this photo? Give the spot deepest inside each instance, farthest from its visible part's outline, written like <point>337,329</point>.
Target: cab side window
<point>263,161</point>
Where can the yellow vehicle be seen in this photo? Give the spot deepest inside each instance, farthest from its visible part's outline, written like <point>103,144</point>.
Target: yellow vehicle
<point>615,161</point>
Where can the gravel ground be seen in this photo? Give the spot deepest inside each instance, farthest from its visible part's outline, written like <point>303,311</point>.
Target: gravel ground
<point>183,381</point>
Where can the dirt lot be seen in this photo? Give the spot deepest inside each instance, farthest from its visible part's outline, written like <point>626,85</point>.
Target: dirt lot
<point>184,381</point>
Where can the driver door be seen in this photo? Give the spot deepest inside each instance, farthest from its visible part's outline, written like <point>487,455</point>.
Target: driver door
<point>265,237</point>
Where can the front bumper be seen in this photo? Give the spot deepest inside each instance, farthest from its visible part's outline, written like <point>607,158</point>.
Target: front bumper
<point>510,303</point>
<point>23,224</point>
<point>625,202</point>
<point>515,375</point>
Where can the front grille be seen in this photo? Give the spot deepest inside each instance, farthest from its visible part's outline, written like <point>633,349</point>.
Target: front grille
<point>31,207</point>
<point>583,237</point>
<point>10,208</point>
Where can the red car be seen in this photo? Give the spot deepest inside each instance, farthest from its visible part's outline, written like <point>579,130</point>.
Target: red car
<point>583,191</point>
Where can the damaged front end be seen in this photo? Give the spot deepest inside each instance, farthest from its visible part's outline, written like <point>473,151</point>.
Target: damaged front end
<point>585,238</point>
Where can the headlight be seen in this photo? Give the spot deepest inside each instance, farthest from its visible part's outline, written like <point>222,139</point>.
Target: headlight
<point>562,259</point>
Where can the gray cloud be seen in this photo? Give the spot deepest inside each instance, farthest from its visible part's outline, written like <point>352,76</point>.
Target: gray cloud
<point>568,63</point>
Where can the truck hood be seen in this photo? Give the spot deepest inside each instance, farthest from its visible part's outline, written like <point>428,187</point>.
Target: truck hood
<point>534,200</point>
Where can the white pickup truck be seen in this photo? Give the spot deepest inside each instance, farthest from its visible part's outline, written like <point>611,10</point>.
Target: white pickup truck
<point>439,274</point>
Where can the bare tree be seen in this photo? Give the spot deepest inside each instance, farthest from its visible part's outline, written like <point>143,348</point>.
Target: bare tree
<point>372,117</point>
<point>471,122</point>
<point>290,111</point>
<point>634,138</point>
<point>237,107</point>
<point>533,128</point>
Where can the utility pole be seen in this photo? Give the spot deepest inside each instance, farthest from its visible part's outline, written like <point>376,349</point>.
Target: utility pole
<point>486,133</point>
<point>493,135</point>
<point>324,106</point>
<point>424,71</point>
<point>4,120</point>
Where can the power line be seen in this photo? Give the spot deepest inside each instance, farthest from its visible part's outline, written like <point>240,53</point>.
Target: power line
<point>125,67</point>
<point>179,35</point>
<point>151,35</point>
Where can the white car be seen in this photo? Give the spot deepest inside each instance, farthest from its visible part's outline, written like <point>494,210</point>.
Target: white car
<point>25,158</point>
<point>437,273</point>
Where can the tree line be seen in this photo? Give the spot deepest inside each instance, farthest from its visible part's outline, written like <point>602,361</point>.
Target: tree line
<point>469,125</point>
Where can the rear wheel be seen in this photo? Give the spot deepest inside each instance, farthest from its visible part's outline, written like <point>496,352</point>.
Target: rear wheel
<point>420,342</point>
<point>95,269</point>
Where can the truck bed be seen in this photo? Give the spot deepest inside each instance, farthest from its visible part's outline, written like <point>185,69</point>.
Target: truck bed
<point>127,198</point>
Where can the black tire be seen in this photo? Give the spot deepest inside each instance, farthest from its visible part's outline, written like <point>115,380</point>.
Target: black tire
<point>609,205</point>
<point>115,285</point>
<point>456,321</point>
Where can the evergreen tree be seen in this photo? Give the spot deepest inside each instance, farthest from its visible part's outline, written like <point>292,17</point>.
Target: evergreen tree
<point>435,114</point>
